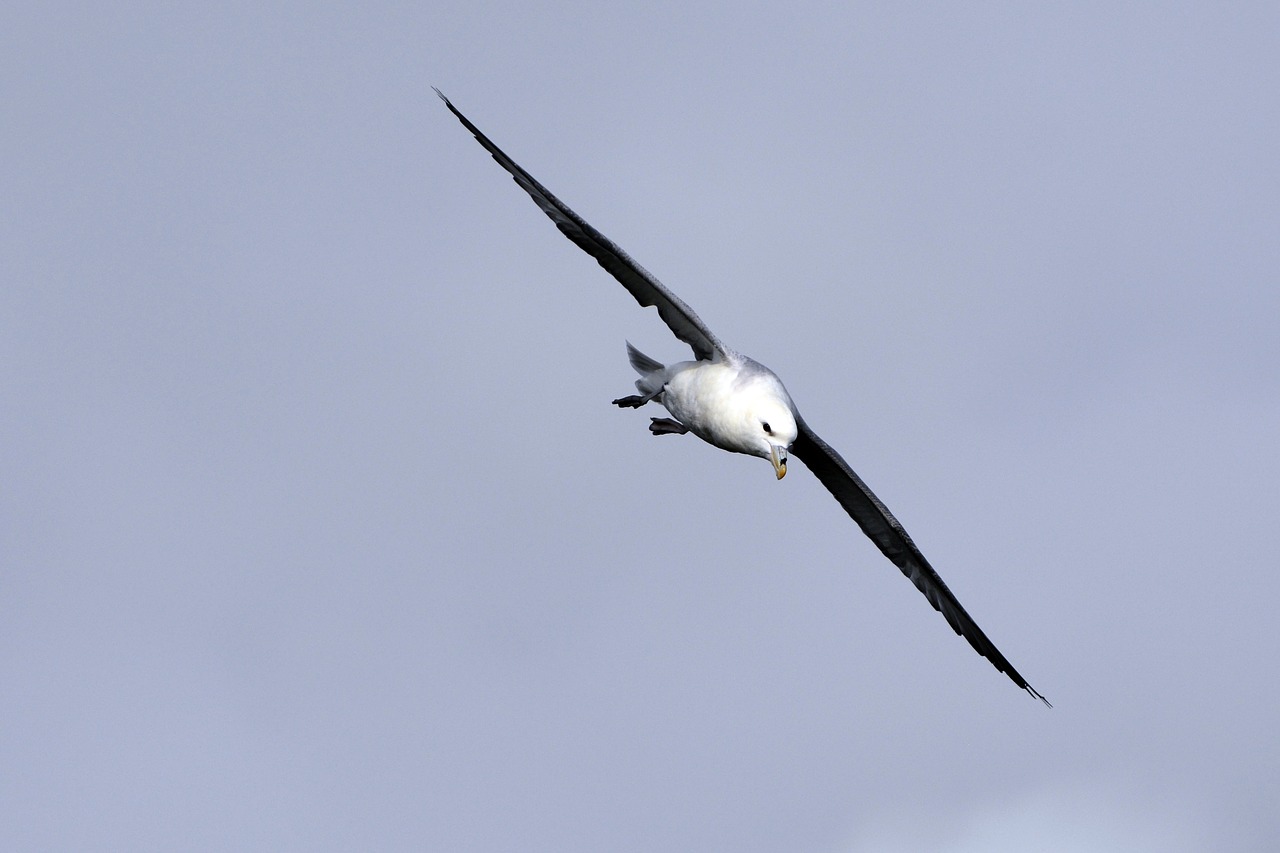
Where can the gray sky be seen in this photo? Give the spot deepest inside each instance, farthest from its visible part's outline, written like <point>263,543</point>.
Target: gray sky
<point>319,533</point>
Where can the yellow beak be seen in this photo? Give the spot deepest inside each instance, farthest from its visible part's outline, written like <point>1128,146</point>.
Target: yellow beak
<point>778,456</point>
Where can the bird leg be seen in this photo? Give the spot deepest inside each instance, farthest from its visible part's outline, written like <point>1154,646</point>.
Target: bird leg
<point>667,426</point>
<point>635,401</point>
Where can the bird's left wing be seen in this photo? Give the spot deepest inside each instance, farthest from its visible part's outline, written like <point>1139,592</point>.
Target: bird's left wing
<point>647,290</point>
<point>883,529</point>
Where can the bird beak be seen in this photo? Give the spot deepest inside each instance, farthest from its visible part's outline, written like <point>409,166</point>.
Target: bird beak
<point>778,456</point>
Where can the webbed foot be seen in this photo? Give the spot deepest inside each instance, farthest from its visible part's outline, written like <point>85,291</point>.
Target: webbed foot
<point>667,426</point>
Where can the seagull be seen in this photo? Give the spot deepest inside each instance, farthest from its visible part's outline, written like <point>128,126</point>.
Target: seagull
<point>737,404</point>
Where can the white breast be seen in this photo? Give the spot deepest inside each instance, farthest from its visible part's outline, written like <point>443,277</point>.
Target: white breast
<point>715,400</point>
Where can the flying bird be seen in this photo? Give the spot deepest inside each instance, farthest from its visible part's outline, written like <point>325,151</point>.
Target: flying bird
<point>737,404</point>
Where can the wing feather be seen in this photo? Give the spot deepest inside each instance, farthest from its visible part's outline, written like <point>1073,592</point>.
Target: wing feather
<point>883,529</point>
<point>647,290</point>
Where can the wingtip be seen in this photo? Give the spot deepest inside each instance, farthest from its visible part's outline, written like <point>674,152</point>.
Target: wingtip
<point>1036,694</point>
<point>441,94</point>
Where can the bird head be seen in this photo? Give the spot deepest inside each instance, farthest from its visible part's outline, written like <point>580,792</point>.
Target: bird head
<point>776,430</point>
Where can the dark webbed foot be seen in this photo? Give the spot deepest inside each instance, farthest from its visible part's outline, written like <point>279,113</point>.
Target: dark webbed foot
<point>635,401</point>
<point>667,426</point>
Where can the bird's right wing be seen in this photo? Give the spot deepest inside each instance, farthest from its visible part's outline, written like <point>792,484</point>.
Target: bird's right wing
<point>883,529</point>
<point>646,289</point>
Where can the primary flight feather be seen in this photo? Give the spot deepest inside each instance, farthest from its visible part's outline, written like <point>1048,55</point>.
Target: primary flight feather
<point>738,404</point>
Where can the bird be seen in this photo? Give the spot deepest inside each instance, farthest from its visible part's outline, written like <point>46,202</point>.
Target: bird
<point>735,403</point>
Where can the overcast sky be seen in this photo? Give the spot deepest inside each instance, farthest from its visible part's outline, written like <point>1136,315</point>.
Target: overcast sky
<point>318,531</point>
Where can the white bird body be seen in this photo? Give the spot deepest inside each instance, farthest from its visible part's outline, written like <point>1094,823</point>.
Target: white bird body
<point>734,403</point>
<point>739,405</point>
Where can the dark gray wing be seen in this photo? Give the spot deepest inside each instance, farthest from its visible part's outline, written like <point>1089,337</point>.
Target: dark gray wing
<point>879,524</point>
<point>647,290</point>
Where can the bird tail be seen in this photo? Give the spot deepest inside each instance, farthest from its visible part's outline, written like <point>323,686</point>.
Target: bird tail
<point>653,374</point>
<point>641,362</point>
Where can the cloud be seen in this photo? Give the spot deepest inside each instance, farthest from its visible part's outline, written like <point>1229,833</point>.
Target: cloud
<point>1097,816</point>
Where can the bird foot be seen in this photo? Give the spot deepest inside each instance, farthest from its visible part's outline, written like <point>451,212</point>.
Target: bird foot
<point>667,426</point>
<point>635,401</point>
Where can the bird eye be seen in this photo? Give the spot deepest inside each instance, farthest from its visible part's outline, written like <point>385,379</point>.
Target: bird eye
<point>766,428</point>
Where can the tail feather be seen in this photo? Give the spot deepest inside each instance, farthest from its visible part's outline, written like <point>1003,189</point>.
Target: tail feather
<point>641,362</point>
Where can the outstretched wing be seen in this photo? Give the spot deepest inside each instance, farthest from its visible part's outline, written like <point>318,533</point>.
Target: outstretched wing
<point>879,524</point>
<point>646,289</point>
